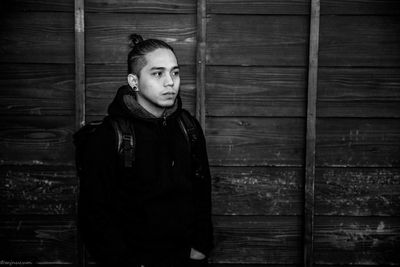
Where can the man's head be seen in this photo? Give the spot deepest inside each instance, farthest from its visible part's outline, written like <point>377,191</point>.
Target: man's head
<point>153,72</point>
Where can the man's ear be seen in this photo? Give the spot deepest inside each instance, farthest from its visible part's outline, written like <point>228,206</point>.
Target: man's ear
<point>133,80</point>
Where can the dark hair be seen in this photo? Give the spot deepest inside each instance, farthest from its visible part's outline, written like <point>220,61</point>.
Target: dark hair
<point>139,48</point>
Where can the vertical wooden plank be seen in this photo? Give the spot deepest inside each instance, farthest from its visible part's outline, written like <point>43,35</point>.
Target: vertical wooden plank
<point>79,64</point>
<point>310,142</point>
<point>80,91</point>
<point>201,62</point>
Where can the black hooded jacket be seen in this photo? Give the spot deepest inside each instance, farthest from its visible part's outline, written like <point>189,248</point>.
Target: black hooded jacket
<point>126,215</point>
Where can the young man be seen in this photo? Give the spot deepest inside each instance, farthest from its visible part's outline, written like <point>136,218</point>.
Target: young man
<point>155,212</point>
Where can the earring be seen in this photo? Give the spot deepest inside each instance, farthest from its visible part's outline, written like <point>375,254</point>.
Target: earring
<point>135,88</point>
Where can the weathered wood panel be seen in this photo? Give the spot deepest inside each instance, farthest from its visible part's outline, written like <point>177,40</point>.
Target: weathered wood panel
<point>37,37</point>
<point>201,54</point>
<point>312,88</point>
<point>257,191</point>
<point>358,191</point>
<point>360,41</point>
<point>37,5</point>
<point>359,92</point>
<point>39,239</point>
<point>272,240</point>
<point>141,6</point>
<point>92,263</point>
<point>258,7</point>
<point>36,140</point>
<point>265,240</point>
<point>80,79</point>
<point>255,91</point>
<point>102,82</point>
<point>255,141</point>
<point>39,89</point>
<point>38,190</point>
<point>357,240</point>
<point>381,7</point>
<point>257,40</point>
<point>346,142</point>
<point>231,265</point>
<point>107,35</point>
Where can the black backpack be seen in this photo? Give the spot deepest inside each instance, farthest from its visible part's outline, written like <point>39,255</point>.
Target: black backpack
<point>126,141</point>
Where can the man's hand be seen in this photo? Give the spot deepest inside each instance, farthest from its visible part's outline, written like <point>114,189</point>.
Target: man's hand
<point>196,255</point>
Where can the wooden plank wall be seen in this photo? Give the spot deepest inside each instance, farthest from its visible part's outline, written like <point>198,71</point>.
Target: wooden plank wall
<point>255,126</point>
<point>358,134</point>
<point>255,122</point>
<point>38,184</point>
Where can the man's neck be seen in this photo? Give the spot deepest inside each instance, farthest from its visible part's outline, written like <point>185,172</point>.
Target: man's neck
<point>154,110</point>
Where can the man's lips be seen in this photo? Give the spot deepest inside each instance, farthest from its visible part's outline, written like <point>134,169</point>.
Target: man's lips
<point>169,93</point>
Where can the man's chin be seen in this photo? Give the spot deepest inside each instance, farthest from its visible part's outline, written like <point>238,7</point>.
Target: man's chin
<point>168,104</point>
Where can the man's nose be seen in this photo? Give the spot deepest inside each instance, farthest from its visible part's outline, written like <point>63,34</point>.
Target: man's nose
<point>168,80</point>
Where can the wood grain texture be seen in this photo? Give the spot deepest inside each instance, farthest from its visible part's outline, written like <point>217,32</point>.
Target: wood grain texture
<point>201,53</point>
<point>258,7</point>
<point>39,89</point>
<point>364,7</point>
<point>142,6</point>
<point>107,35</point>
<point>359,92</point>
<point>255,91</point>
<point>257,191</point>
<point>357,240</point>
<point>360,7</point>
<point>37,37</point>
<point>309,178</point>
<point>235,265</point>
<point>344,142</point>
<point>39,239</point>
<point>103,81</point>
<point>358,191</point>
<point>38,190</point>
<point>372,41</point>
<point>251,141</point>
<point>257,40</point>
<point>263,240</point>
<point>36,140</point>
<point>80,80</point>
<point>36,5</point>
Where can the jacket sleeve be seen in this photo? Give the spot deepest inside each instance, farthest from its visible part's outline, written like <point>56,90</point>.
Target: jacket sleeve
<point>97,224</point>
<point>203,234</point>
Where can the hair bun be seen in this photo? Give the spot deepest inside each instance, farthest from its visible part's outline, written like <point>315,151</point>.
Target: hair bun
<point>134,39</point>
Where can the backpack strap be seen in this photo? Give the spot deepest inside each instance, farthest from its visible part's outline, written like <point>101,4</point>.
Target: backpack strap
<point>188,127</point>
<point>126,141</point>
<point>125,137</point>
<point>191,132</point>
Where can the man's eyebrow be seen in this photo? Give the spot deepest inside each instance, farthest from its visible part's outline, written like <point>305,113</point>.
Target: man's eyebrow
<point>162,68</point>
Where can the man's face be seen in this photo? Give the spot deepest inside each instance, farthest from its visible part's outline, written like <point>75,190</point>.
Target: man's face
<point>159,80</point>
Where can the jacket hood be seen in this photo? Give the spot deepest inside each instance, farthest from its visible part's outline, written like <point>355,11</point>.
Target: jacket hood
<point>126,105</point>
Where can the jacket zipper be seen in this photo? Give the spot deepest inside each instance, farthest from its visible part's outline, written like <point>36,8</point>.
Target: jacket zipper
<point>164,120</point>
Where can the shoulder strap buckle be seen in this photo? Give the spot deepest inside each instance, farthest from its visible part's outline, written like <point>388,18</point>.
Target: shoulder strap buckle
<point>126,141</point>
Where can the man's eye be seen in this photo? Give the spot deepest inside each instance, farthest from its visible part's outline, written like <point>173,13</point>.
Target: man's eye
<point>157,74</point>
<point>175,73</point>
